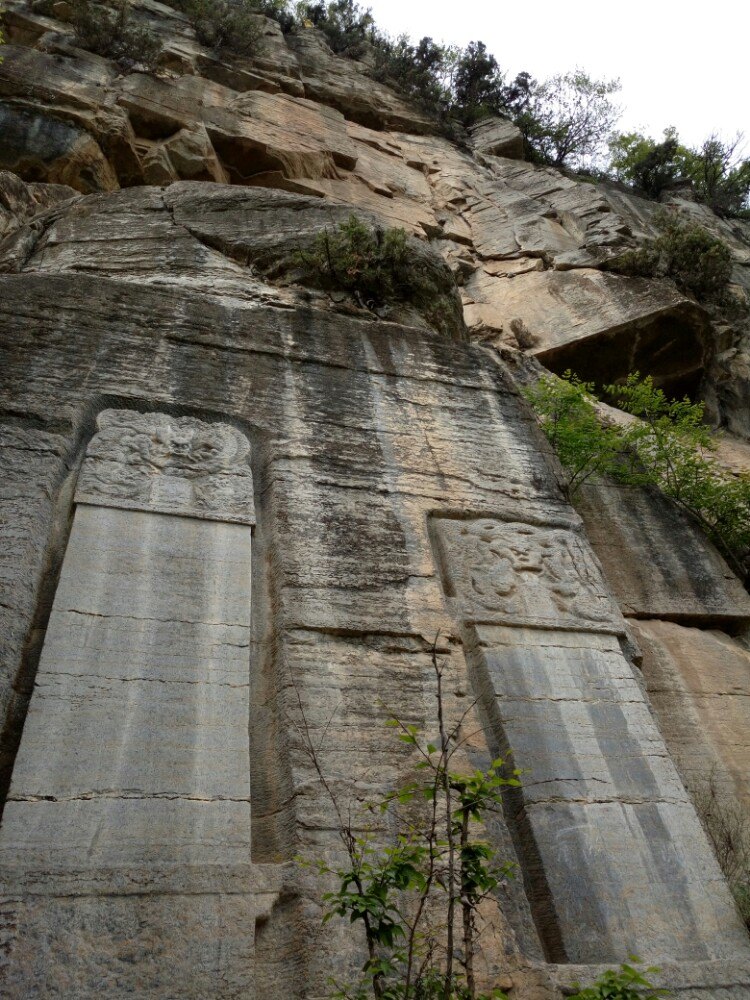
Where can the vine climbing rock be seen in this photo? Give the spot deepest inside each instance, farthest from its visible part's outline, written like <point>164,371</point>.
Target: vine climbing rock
<point>238,508</point>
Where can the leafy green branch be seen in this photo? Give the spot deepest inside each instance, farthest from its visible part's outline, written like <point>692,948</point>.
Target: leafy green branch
<point>625,983</point>
<point>668,447</point>
<point>417,897</point>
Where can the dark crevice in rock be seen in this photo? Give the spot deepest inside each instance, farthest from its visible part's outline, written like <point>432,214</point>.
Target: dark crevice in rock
<point>731,624</point>
<point>23,683</point>
<point>674,348</point>
<point>35,421</point>
<point>271,783</point>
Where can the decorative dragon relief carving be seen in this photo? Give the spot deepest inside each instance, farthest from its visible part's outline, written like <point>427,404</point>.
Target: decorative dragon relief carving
<point>513,572</point>
<point>171,465</point>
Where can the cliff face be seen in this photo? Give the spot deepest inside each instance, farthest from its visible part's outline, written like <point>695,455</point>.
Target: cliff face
<point>176,407</point>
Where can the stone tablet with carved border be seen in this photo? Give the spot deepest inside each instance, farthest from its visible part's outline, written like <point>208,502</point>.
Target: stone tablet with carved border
<point>515,573</point>
<point>169,465</point>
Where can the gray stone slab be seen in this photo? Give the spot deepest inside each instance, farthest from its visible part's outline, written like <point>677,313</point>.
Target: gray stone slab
<point>574,716</point>
<point>635,878</point>
<point>128,705</point>
<point>118,829</point>
<point>656,560</point>
<point>126,648</point>
<point>135,564</point>
<point>614,856</point>
<point>136,750</point>
<point>134,738</point>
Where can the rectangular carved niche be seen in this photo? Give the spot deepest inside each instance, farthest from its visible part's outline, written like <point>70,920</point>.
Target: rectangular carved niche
<point>511,572</point>
<point>133,770</point>
<point>615,859</point>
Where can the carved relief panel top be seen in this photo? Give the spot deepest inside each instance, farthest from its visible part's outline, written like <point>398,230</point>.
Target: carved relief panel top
<point>170,465</point>
<point>511,572</point>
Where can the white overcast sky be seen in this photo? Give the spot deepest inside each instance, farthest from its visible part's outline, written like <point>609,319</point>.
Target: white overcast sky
<point>680,63</point>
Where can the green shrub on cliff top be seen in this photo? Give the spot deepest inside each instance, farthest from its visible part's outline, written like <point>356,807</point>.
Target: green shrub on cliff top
<point>233,25</point>
<point>379,268</point>
<point>220,24</point>
<point>109,30</point>
<point>697,262</point>
<point>349,29</point>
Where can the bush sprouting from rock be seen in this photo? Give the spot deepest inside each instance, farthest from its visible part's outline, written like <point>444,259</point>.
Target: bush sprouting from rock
<point>667,447</point>
<point>697,262</point>
<point>370,263</point>
<point>220,24</point>
<point>382,269</point>
<point>110,30</point>
<point>349,30</point>
<point>233,25</point>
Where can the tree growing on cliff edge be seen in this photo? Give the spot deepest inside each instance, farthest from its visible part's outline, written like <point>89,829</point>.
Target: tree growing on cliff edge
<point>721,178</point>
<point>648,165</point>
<point>478,85</point>
<point>566,119</point>
<point>717,171</point>
<point>348,27</point>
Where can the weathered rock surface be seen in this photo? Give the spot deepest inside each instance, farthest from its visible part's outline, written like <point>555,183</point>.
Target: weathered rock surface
<point>222,241</point>
<point>171,398</point>
<point>20,202</point>
<point>372,444</point>
<point>658,563</point>
<point>600,325</point>
<point>526,242</point>
<point>698,682</point>
<point>497,137</point>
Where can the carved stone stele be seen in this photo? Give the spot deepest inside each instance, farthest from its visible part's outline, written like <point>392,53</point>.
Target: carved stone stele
<point>170,465</point>
<point>511,572</point>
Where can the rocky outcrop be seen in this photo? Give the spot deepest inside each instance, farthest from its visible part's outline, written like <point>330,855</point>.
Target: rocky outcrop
<point>20,202</point>
<point>239,243</point>
<point>402,492</point>
<point>526,243</point>
<point>497,137</point>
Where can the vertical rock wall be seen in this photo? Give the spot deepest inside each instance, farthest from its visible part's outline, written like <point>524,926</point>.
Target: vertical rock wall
<point>169,400</point>
<point>402,491</point>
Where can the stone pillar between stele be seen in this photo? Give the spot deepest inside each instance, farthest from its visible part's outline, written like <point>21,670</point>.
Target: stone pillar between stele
<point>125,845</point>
<point>615,860</point>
